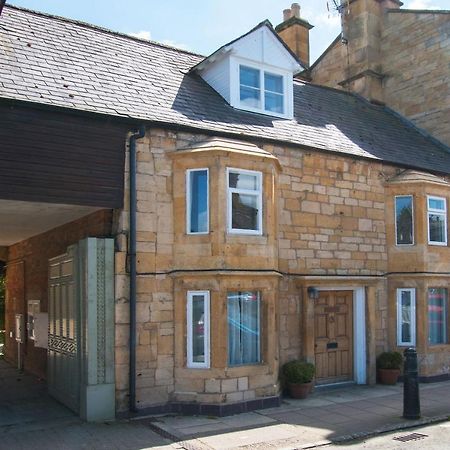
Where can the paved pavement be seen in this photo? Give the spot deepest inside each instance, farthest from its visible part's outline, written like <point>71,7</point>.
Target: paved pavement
<point>430,437</point>
<point>326,416</point>
<point>30,419</point>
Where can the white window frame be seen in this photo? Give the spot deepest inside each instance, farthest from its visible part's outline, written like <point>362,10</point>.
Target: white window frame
<point>188,200</point>
<point>257,193</point>
<point>206,324</point>
<point>395,219</point>
<point>235,86</point>
<point>412,292</point>
<point>435,212</point>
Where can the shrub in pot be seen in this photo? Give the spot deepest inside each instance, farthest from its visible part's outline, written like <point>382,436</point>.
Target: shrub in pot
<point>388,367</point>
<point>298,376</point>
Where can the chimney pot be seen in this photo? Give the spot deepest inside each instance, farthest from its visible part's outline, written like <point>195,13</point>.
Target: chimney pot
<point>295,8</point>
<point>286,14</point>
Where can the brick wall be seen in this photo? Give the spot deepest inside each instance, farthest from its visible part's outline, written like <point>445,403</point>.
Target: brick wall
<point>27,277</point>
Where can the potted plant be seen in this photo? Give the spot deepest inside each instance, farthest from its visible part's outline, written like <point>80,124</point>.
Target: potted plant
<point>298,376</point>
<point>388,366</point>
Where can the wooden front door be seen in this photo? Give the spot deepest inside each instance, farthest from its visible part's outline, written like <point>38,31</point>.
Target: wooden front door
<point>333,329</point>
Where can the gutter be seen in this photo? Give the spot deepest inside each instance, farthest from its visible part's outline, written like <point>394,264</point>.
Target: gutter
<point>132,262</point>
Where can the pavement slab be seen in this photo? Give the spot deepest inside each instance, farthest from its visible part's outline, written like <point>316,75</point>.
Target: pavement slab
<point>324,417</point>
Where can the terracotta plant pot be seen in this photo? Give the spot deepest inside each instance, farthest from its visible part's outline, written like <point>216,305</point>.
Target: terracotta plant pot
<point>300,390</point>
<point>388,376</point>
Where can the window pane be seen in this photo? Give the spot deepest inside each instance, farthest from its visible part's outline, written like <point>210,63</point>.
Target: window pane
<point>243,181</point>
<point>243,328</point>
<point>244,212</point>
<point>437,316</point>
<point>405,312</point>
<point>250,97</point>
<point>404,218</point>
<point>273,102</point>
<point>249,76</point>
<point>436,203</point>
<point>198,329</point>
<point>273,83</point>
<point>436,224</point>
<point>198,185</point>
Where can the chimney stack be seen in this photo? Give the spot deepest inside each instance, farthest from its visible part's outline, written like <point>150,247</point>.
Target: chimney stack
<point>295,32</point>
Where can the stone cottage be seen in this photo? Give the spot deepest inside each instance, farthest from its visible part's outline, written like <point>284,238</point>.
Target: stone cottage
<point>209,219</point>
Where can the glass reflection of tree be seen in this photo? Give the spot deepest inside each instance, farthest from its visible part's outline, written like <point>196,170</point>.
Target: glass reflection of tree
<point>244,215</point>
<point>404,226</point>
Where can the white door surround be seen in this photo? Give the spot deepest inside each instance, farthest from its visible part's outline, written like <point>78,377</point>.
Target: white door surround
<point>359,329</point>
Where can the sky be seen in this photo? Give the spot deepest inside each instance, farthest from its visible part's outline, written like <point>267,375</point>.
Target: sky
<point>202,26</point>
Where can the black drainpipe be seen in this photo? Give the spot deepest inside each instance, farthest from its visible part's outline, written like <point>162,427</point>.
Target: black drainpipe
<point>132,261</point>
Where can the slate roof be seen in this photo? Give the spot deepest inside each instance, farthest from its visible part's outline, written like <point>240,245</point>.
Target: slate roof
<point>53,61</point>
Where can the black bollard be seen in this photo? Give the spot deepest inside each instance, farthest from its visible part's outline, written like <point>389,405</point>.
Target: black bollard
<point>411,400</point>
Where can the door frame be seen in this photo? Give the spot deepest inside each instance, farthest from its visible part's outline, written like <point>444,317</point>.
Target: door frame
<point>359,329</point>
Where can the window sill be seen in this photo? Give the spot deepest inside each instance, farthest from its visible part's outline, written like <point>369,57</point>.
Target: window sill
<point>438,347</point>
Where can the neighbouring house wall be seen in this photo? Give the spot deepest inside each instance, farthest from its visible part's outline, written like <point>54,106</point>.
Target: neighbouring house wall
<point>415,50</point>
<point>420,266</point>
<point>330,68</point>
<point>27,278</point>
<point>413,62</point>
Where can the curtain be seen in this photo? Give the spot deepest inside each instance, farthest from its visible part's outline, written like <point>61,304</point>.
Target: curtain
<point>243,328</point>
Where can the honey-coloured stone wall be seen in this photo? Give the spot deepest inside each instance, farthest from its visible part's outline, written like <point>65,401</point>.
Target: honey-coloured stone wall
<point>327,222</point>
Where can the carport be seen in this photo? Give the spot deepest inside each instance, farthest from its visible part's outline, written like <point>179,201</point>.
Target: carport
<point>61,181</point>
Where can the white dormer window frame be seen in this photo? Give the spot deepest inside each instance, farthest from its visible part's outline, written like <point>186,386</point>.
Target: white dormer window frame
<point>263,70</point>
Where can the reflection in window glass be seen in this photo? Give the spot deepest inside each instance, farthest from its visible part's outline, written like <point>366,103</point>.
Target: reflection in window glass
<point>406,320</point>
<point>437,220</point>
<point>243,328</point>
<point>250,92</point>
<point>437,316</point>
<point>273,95</point>
<point>404,219</point>
<point>244,212</point>
<point>198,201</point>
<point>244,201</point>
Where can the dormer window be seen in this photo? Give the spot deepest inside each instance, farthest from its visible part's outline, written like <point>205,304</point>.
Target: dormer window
<point>254,73</point>
<point>255,82</point>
